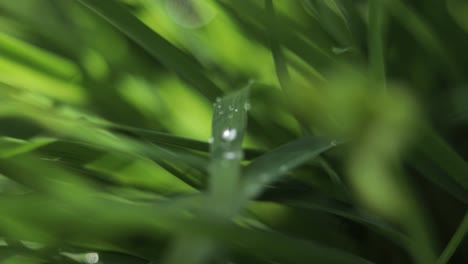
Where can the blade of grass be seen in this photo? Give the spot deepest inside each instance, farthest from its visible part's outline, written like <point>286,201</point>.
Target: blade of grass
<point>316,55</point>
<point>376,35</point>
<point>435,149</point>
<point>158,137</point>
<point>272,165</point>
<point>23,53</point>
<point>161,49</point>
<point>10,147</point>
<point>457,238</point>
<point>282,74</point>
<point>48,214</point>
<point>423,33</point>
<point>228,128</point>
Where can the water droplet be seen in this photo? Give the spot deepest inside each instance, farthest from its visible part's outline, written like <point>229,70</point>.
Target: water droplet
<point>218,99</point>
<point>283,169</point>
<point>247,106</point>
<point>211,140</point>
<point>222,112</point>
<point>339,50</point>
<point>333,143</point>
<point>92,258</point>
<point>231,108</point>
<point>236,110</point>
<point>190,14</point>
<point>230,116</point>
<point>229,134</point>
<point>230,155</point>
<point>219,106</point>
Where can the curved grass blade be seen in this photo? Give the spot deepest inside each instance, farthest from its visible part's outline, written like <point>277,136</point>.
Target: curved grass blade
<point>10,147</point>
<point>347,212</point>
<point>161,49</point>
<point>435,149</point>
<point>457,238</point>
<point>94,135</point>
<point>438,176</point>
<point>272,165</point>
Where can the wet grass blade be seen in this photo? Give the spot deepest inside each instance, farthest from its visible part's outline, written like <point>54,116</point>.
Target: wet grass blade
<point>228,128</point>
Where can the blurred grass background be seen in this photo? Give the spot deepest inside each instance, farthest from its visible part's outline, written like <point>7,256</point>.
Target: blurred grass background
<point>221,131</point>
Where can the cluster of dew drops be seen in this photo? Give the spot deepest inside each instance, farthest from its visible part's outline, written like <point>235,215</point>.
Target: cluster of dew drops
<point>229,134</point>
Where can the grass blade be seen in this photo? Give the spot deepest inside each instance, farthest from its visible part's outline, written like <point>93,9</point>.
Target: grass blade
<point>228,128</point>
<point>454,242</point>
<point>161,49</point>
<point>272,165</point>
<point>376,36</point>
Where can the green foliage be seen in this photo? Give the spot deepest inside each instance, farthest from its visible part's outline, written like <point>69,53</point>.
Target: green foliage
<point>221,131</point>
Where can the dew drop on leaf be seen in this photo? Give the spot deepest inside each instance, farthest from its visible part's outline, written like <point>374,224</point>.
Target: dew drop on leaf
<point>190,14</point>
<point>229,134</point>
<point>92,258</point>
<point>247,106</point>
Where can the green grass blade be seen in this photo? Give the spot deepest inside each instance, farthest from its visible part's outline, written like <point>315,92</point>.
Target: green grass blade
<point>457,238</point>
<point>272,165</point>
<point>23,53</point>
<point>313,53</point>
<point>228,128</point>
<point>435,149</point>
<point>161,49</point>
<point>438,176</point>
<point>376,37</point>
<point>423,33</point>
<point>10,147</point>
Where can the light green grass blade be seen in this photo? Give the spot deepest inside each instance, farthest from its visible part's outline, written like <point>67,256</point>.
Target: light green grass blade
<point>46,62</point>
<point>10,147</point>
